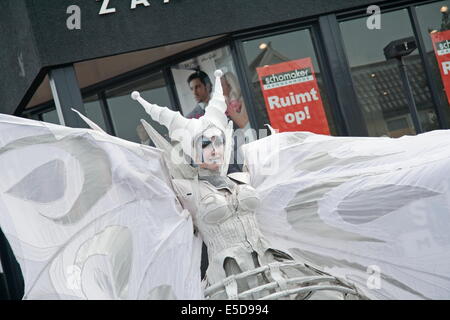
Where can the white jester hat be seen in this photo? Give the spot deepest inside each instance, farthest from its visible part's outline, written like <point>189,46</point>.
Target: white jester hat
<point>188,131</point>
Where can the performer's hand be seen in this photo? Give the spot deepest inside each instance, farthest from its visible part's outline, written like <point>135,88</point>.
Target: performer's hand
<point>237,112</point>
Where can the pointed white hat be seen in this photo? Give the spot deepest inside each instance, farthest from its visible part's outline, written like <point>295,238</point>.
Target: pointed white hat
<point>187,130</point>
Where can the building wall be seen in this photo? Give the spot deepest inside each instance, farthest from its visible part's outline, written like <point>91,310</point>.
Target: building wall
<point>160,24</point>
<point>19,57</point>
<point>35,32</point>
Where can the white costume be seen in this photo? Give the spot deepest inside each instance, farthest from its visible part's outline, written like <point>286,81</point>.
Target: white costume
<point>90,216</point>
<point>242,263</point>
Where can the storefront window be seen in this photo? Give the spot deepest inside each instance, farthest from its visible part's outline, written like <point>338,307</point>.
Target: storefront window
<point>434,24</point>
<point>194,81</point>
<point>377,81</point>
<point>126,113</point>
<point>94,111</point>
<point>287,83</point>
<point>51,117</point>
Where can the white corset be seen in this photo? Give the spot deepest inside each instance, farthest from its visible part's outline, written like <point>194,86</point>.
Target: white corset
<point>228,226</point>
<point>227,223</point>
<point>218,206</point>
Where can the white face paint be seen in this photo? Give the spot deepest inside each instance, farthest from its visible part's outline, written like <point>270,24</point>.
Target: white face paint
<point>210,149</point>
<point>212,153</point>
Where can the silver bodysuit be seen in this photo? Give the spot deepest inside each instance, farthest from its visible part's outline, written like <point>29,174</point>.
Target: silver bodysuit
<point>242,263</point>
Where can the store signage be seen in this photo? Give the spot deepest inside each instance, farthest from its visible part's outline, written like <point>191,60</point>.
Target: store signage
<point>107,5</point>
<point>441,44</point>
<point>292,97</point>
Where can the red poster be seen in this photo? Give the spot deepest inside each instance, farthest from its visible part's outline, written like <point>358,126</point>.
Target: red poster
<point>292,97</point>
<point>441,44</point>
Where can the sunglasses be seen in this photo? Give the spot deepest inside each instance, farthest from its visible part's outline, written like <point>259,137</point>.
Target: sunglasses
<point>218,142</point>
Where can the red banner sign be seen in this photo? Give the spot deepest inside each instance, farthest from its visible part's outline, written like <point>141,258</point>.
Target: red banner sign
<point>292,97</point>
<point>441,44</point>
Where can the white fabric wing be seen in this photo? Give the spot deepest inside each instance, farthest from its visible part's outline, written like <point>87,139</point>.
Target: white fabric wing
<point>373,210</point>
<point>91,216</point>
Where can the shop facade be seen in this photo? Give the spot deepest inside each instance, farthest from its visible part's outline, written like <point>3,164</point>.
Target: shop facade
<point>315,66</point>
